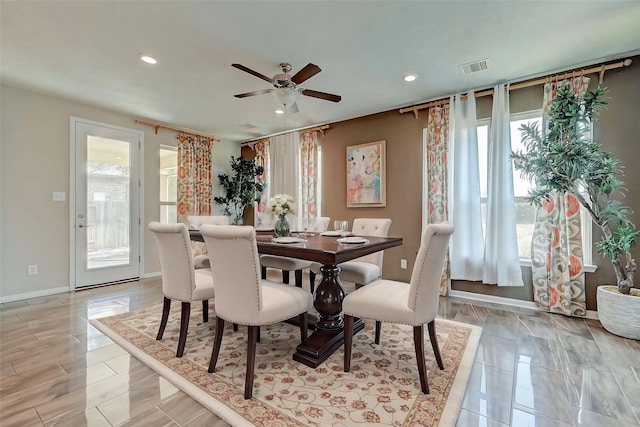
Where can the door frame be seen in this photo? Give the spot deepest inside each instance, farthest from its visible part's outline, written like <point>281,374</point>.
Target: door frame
<point>72,194</point>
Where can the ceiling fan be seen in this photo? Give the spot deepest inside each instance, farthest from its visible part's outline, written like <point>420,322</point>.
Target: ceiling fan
<point>286,89</point>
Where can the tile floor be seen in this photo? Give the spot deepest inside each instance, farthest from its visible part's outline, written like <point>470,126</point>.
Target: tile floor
<point>531,369</point>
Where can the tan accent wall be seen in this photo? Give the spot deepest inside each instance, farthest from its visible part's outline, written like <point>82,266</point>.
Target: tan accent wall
<point>618,130</point>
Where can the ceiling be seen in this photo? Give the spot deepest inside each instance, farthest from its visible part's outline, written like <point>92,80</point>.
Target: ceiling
<point>88,51</point>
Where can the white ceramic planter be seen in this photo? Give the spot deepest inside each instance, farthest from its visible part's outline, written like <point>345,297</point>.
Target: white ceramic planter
<point>619,314</point>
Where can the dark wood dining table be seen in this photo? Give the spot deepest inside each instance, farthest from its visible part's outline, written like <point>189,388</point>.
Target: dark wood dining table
<point>327,299</point>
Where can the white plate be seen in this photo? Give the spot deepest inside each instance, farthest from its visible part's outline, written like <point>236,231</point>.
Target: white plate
<point>354,239</point>
<point>287,240</point>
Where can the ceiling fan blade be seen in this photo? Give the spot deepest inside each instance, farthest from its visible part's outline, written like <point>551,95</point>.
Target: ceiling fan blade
<point>250,71</point>
<point>322,95</point>
<point>255,92</point>
<point>292,109</point>
<point>307,72</point>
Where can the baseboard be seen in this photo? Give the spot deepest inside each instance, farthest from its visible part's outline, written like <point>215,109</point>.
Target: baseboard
<point>508,301</point>
<point>152,275</point>
<point>34,294</point>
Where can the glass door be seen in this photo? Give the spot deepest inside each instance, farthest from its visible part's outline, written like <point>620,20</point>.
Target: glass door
<point>106,218</point>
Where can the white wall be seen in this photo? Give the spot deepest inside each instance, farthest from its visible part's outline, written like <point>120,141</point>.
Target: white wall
<point>34,162</point>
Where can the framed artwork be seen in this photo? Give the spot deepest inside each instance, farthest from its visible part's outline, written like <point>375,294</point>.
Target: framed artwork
<point>366,178</point>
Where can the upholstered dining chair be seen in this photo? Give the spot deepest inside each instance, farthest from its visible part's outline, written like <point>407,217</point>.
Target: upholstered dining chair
<point>286,264</point>
<point>242,297</point>
<point>200,257</point>
<point>369,267</point>
<point>414,304</point>
<point>180,281</point>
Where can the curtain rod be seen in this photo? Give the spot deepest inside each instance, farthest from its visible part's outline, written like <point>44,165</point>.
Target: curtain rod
<point>157,126</point>
<point>601,68</point>
<point>251,144</point>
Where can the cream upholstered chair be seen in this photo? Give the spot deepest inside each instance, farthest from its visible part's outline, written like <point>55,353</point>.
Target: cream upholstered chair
<point>411,304</point>
<point>200,257</point>
<point>242,297</point>
<point>369,267</point>
<point>286,264</point>
<point>180,281</point>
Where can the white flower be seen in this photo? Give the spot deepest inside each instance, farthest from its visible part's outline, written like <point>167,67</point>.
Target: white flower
<point>281,204</point>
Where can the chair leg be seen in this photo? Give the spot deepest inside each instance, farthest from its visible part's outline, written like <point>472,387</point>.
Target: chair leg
<point>434,343</point>
<point>251,361</point>
<point>302,319</point>
<point>258,335</point>
<point>378,328</point>
<point>263,272</point>
<point>312,281</point>
<point>184,326</point>
<point>166,307</point>
<point>235,327</point>
<point>418,340</point>
<point>298,276</point>
<point>348,340</point>
<point>217,341</point>
<point>285,277</point>
<point>205,310</point>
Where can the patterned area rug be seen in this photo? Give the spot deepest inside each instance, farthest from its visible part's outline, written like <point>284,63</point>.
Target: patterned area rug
<point>382,388</point>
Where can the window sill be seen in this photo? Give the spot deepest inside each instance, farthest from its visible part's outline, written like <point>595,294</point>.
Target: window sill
<point>588,268</point>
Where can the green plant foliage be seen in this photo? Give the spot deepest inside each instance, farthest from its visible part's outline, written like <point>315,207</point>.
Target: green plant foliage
<point>562,158</point>
<point>241,189</point>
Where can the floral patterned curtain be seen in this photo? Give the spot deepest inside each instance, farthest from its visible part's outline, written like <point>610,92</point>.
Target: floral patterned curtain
<point>309,177</point>
<point>262,159</point>
<point>436,141</point>
<point>556,248</point>
<point>194,176</point>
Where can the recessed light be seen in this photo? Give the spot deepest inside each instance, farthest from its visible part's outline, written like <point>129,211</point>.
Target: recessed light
<point>410,77</point>
<point>279,111</point>
<point>148,59</point>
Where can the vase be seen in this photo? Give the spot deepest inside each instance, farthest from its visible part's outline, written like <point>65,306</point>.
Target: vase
<point>618,313</point>
<point>281,227</point>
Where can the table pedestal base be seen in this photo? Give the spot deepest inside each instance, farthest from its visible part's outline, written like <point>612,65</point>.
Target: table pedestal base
<point>321,344</point>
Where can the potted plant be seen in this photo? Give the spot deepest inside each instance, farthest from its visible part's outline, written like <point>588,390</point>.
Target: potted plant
<point>562,158</point>
<point>241,189</point>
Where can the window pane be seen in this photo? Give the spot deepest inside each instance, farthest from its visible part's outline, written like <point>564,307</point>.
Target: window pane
<point>521,186</point>
<point>168,174</point>
<point>168,185</point>
<point>168,214</point>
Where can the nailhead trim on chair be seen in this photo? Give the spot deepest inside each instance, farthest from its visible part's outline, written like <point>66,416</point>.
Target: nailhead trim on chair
<point>186,248</point>
<point>253,251</point>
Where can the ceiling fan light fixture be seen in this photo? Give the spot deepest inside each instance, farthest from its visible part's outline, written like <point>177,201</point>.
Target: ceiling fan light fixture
<point>285,97</point>
<point>410,77</point>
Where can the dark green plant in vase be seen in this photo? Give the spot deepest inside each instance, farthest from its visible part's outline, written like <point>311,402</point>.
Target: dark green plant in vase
<point>241,189</point>
<point>564,159</point>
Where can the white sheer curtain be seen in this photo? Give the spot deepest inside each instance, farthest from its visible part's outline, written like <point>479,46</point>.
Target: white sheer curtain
<point>284,152</point>
<point>501,261</point>
<point>467,244</point>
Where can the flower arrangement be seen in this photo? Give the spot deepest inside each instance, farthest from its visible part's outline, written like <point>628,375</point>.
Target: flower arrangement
<point>281,204</point>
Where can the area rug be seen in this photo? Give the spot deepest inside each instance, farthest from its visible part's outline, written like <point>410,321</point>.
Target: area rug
<point>383,387</point>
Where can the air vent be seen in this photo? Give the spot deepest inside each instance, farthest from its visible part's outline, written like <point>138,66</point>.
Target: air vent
<point>474,67</point>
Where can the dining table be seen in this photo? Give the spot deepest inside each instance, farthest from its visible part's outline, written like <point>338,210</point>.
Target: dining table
<point>328,250</point>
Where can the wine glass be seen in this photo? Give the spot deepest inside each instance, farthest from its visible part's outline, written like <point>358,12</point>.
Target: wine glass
<point>340,226</point>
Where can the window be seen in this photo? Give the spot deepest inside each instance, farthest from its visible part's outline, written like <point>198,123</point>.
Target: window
<point>525,213</point>
<point>168,184</point>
